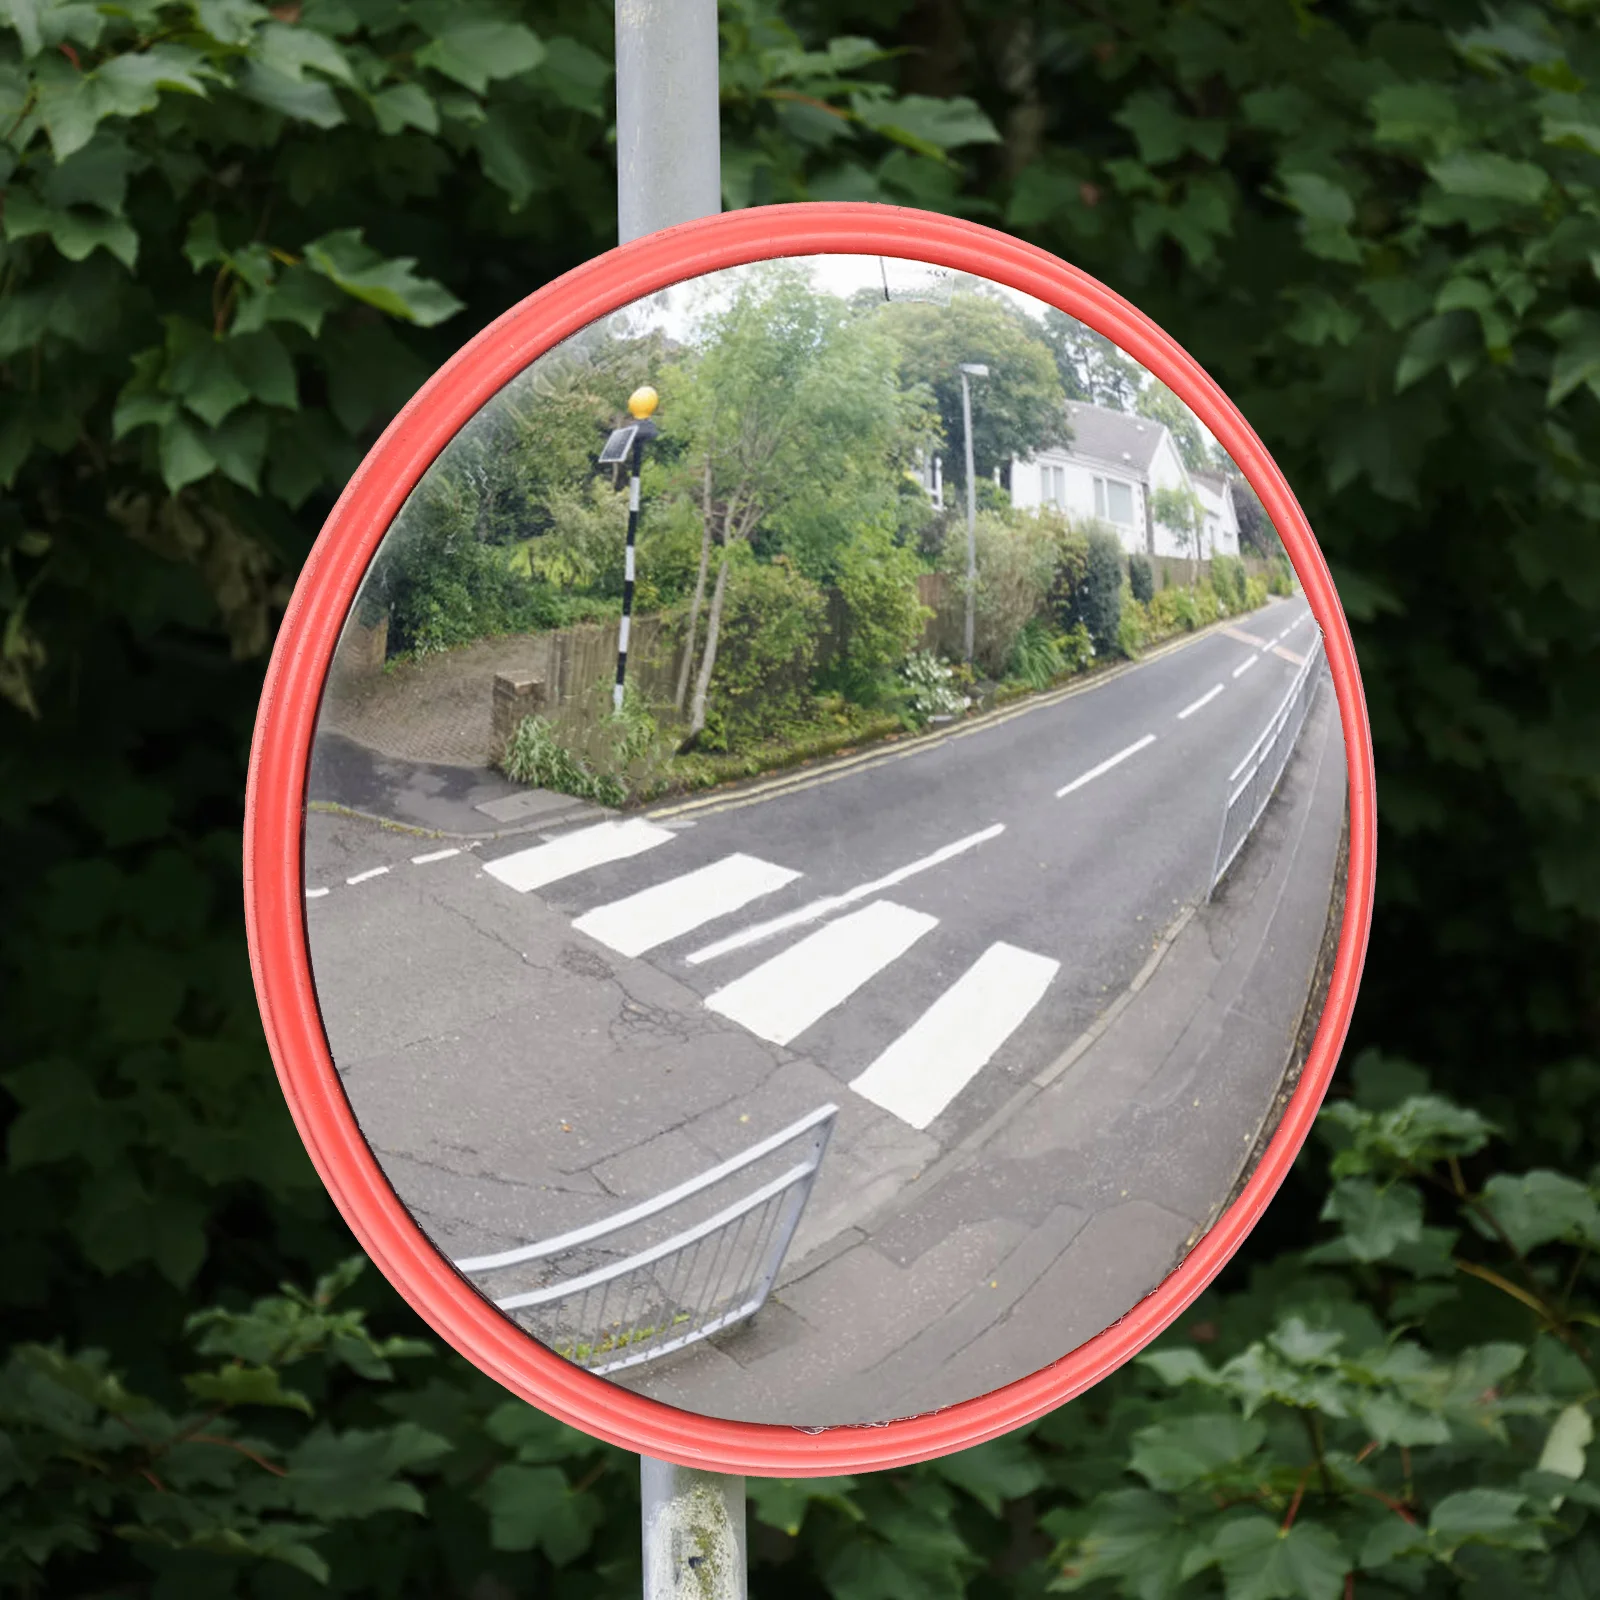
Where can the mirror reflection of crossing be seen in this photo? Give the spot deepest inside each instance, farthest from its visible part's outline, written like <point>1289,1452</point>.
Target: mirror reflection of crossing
<point>834,1022</point>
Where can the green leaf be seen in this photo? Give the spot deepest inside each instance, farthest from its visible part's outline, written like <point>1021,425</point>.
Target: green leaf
<point>230,21</point>
<point>299,295</point>
<point>345,259</point>
<point>1135,1535</point>
<point>1566,1445</point>
<point>1262,1561</point>
<point>356,1473</point>
<point>1003,1469</point>
<point>1375,1220</point>
<point>200,373</point>
<point>1486,175</point>
<point>300,99</point>
<point>1180,1454</point>
<point>76,234</point>
<point>1577,361</point>
<point>476,53</point>
<point>263,367</point>
<point>1415,113</point>
<point>97,175</point>
<point>782,1503</point>
<point>240,1385</point>
<point>404,105</point>
<point>534,1508</point>
<point>929,126</point>
<point>1539,1207</point>
<point>184,457</point>
<point>1484,1516</point>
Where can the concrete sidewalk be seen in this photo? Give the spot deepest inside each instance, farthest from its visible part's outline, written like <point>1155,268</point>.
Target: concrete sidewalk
<point>1081,1194</point>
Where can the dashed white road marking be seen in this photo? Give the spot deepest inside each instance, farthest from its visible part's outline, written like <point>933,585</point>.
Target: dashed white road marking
<point>1204,700</point>
<point>817,909</point>
<point>667,911</point>
<point>371,872</point>
<point>1245,665</point>
<point>956,1037</point>
<point>436,855</point>
<point>781,998</point>
<point>1106,765</point>
<point>315,894</point>
<point>576,852</point>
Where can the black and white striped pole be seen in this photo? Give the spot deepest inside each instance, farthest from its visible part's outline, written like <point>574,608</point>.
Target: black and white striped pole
<point>629,442</point>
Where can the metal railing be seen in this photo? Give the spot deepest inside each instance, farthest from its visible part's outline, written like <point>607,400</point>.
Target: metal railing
<point>680,1289</point>
<point>1255,780</point>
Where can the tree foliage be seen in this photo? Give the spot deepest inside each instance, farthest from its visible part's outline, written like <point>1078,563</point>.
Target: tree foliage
<point>234,242</point>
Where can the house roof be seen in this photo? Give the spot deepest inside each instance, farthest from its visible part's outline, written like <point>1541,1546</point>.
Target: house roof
<point>1113,436</point>
<point>1214,481</point>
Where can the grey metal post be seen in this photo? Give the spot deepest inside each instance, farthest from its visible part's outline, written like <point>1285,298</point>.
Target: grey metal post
<point>669,170</point>
<point>693,1527</point>
<point>669,151</point>
<point>972,514</point>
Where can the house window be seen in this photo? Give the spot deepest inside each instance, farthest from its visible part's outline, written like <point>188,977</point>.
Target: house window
<point>1113,501</point>
<point>1053,486</point>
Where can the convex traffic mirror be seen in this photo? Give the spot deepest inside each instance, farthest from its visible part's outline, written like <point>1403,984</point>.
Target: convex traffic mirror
<point>811,840</point>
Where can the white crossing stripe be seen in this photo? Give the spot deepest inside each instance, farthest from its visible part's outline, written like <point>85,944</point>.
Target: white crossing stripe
<point>782,997</point>
<point>576,852</point>
<point>956,1037</point>
<point>1105,766</point>
<point>1204,700</point>
<point>669,910</point>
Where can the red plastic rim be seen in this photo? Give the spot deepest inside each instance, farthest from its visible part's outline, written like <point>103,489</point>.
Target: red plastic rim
<point>280,756</point>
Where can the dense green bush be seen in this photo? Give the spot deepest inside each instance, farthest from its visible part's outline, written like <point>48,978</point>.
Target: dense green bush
<point>228,234</point>
<point>1016,564</point>
<point>1255,593</point>
<point>772,628</point>
<point>1133,627</point>
<point>596,754</point>
<point>1280,576</point>
<point>877,581</point>
<point>1036,656</point>
<point>1228,582</point>
<point>1174,610</point>
<point>1095,599</point>
<point>1141,578</point>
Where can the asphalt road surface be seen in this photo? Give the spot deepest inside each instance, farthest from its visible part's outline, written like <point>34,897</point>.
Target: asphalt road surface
<point>535,1033</point>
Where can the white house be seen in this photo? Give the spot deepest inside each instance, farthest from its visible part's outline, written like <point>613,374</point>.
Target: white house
<point>1108,473</point>
<point>1221,526</point>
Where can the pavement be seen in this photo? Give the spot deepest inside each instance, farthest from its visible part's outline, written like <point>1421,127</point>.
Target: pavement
<point>1052,1056</point>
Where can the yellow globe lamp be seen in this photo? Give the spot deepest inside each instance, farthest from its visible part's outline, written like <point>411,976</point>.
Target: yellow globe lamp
<point>642,402</point>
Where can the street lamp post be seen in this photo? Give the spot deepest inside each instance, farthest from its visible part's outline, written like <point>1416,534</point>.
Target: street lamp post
<point>969,370</point>
<point>627,443</point>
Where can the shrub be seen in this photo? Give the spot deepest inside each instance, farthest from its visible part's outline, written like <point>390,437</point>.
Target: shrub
<point>1076,647</point>
<point>772,625</point>
<point>1255,593</point>
<point>1141,579</point>
<point>1280,576</point>
<point>1173,610</point>
<point>931,687</point>
<point>1227,579</point>
<point>1207,608</point>
<point>1016,561</point>
<point>602,755</point>
<point>1036,656</point>
<point>1132,627</point>
<point>1096,599</point>
<point>883,619</point>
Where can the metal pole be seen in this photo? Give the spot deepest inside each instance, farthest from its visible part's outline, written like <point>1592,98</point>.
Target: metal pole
<point>669,170</point>
<point>693,1527</point>
<point>972,515</point>
<point>627,575</point>
<point>669,151</point>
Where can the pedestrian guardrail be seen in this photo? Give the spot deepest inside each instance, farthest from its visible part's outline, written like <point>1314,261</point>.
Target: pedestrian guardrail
<point>1255,780</point>
<point>697,1281</point>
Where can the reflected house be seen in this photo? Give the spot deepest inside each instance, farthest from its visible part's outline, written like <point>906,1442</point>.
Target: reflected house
<point>1109,472</point>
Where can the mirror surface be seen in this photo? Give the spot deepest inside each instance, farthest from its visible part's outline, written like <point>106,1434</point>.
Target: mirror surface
<point>792,980</point>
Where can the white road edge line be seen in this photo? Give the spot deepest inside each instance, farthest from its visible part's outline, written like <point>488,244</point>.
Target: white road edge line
<point>1106,765</point>
<point>820,908</point>
<point>1245,665</point>
<point>371,872</point>
<point>958,1035</point>
<point>1204,700</point>
<point>438,855</point>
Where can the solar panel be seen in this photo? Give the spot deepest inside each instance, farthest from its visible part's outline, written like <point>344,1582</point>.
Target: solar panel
<point>617,446</point>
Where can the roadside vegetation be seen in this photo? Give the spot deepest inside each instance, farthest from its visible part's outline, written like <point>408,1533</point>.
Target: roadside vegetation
<point>808,588</point>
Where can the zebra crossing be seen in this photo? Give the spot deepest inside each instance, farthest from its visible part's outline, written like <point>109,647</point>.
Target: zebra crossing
<point>844,942</point>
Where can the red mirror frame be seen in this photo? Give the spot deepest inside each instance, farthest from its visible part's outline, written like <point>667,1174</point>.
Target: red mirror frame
<point>274,816</point>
